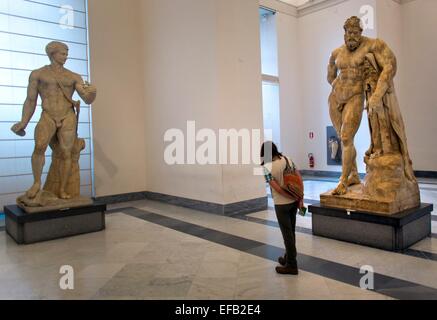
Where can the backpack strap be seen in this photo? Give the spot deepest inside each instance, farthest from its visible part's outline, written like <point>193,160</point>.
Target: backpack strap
<point>288,166</point>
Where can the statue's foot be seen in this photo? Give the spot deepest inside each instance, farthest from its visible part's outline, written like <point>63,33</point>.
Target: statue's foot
<point>353,180</point>
<point>33,191</point>
<point>65,196</point>
<point>340,190</point>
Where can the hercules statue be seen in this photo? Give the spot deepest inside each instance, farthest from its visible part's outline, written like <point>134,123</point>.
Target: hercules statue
<point>346,102</point>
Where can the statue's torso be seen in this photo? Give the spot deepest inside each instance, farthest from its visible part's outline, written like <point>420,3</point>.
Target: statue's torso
<point>350,81</point>
<point>54,102</point>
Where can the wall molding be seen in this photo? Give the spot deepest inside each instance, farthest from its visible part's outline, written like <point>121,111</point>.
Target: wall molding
<point>337,174</point>
<point>279,6</point>
<point>317,5</point>
<point>231,209</point>
<point>308,8</point>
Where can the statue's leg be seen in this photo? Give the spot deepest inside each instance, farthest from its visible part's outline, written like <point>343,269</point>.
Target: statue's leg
<point>44,132</point>
<point>66,138</point>
<point>351,120</point>
<point>335,113</point>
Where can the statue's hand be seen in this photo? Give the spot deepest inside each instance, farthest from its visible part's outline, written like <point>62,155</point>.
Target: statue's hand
<point>375,105</point>
<point>18,129</point>
<point>89,88</point>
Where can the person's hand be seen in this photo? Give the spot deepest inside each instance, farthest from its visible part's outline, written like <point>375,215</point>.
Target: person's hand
<point>18,129</point>
<point>375,105</point>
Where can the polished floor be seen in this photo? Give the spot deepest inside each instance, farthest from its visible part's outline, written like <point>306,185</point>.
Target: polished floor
<point>152,250</point>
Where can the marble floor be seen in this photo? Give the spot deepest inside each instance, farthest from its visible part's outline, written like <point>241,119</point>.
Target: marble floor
<point>152,250</point>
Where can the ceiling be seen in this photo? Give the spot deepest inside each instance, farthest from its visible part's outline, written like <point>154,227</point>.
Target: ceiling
<point>295,3</point>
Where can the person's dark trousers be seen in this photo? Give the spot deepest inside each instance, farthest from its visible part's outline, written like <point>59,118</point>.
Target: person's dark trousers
<point>286,215</point>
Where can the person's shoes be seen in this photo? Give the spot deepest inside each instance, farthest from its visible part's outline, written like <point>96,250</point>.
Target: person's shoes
<point>282,261</point>
<point>287,270</point>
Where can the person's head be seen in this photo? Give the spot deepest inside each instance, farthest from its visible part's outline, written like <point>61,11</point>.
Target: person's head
<point>269,151</point>
<point>57,52</point>
<point>353,33</point>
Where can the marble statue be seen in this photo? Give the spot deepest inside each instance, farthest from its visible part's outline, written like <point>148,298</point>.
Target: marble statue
<point>361,73</point>
<point>57,127</point>
<point>334,148</point>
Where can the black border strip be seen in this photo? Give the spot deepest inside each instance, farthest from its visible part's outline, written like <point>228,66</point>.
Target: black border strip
<point>337,174</point>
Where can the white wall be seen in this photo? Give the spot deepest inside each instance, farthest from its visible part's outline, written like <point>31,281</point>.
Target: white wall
<point>419,81</point>
<point>159,63</point>
<point>291,109</point>
<point>389,28</point>
<point>407,29</point>
<point>239,95</point>
<point>116,61</point>
<point>202,64</point>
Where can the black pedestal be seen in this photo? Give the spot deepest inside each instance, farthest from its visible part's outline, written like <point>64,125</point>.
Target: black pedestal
<point>26,228</point>
<point>395,233</point>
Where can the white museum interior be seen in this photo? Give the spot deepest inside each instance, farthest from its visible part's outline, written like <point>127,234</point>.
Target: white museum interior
<point>209,230</point>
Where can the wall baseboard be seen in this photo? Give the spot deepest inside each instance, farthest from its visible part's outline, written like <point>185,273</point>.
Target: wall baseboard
<point>118,198</point>
<point>243,207</point>
<point>336,174</point>
<point>426,174</point>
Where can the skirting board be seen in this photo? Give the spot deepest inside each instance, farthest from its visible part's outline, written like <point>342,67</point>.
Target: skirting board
<point>335,174</point>
<point>243,207</point>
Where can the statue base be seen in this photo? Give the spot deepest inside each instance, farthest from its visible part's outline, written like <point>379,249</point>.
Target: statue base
<point>357,200</point>
<point>394,233</point>
<point>47,201</point>
<point>27,228</point>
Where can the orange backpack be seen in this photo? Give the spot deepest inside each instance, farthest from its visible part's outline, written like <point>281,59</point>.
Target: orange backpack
<point>293,182</point>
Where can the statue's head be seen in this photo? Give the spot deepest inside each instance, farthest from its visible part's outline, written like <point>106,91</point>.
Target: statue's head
<point>353,33</point>
<point>57,52</point>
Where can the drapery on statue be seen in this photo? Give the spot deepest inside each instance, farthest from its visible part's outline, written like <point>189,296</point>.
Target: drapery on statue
<point>57,127</point>
<point>362,71</point>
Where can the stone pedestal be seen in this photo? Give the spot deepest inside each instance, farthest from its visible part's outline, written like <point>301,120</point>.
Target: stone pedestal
<point>395,232</point>
<point>27,228</point>
<point>359,199</point>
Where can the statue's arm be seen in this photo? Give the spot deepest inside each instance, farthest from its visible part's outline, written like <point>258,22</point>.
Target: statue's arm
<point>332,68</point>
<point>29,105</point>
<point>386,59</point>
<point>87,92</point>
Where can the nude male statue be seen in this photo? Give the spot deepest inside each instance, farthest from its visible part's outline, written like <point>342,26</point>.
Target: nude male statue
<point>346,102</point>
<point>56,86</point>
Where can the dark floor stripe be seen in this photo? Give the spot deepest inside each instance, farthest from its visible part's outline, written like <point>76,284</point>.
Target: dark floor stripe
<point>310,201</point>
<point>116,210</point>
<point>2,228</point>
<point>389,286</point>
<point>433,217</point>
<point>269,223</point>
<point>421,254</point>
